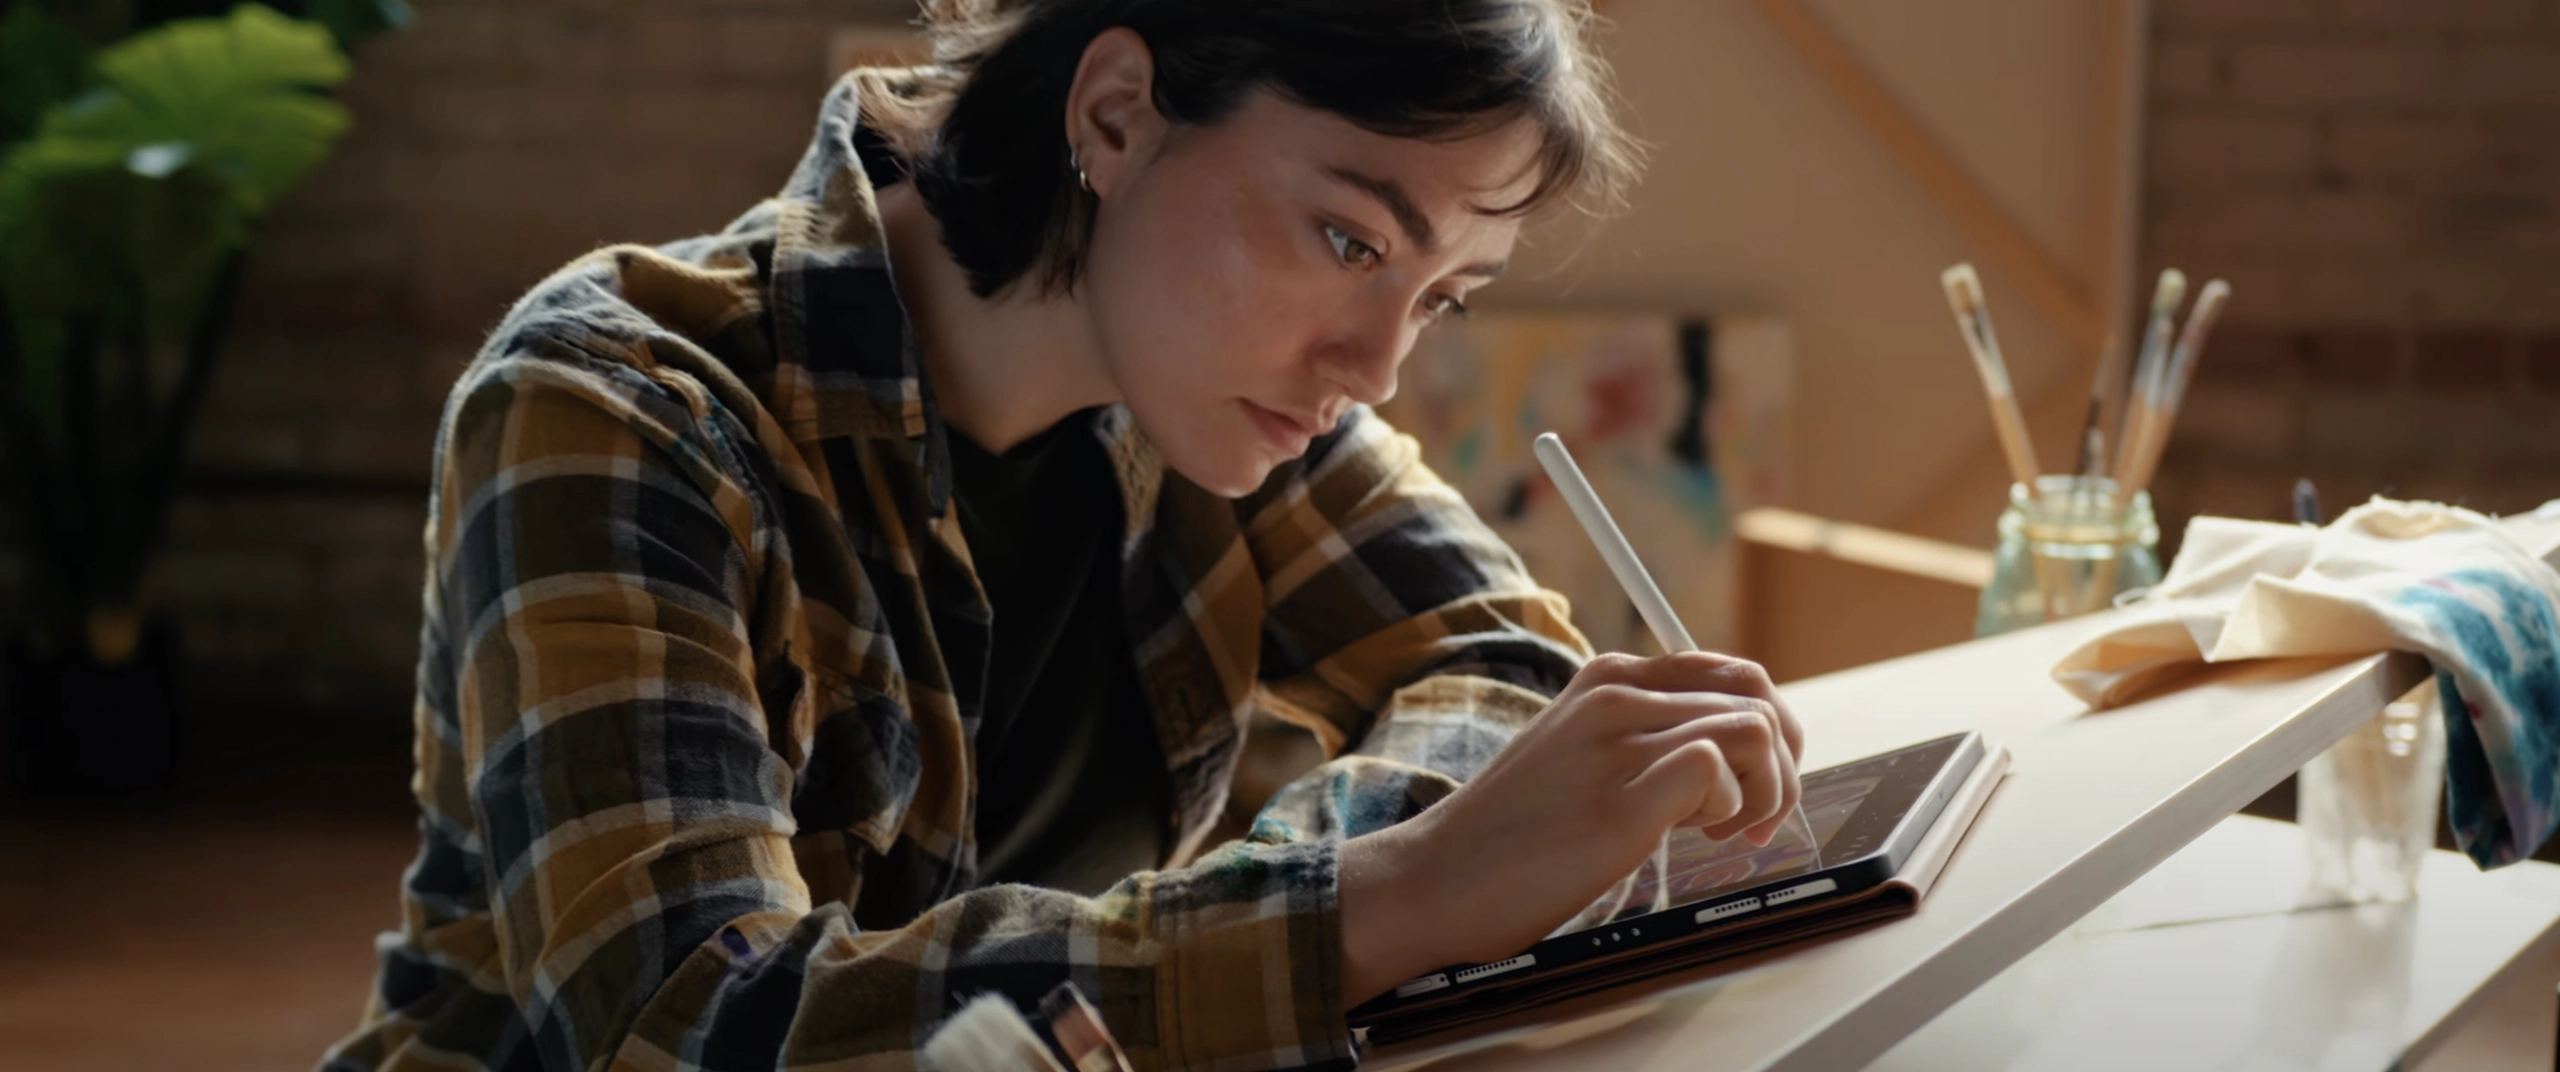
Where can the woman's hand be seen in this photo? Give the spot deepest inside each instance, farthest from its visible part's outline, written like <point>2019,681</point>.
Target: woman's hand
<point>1632,748</point>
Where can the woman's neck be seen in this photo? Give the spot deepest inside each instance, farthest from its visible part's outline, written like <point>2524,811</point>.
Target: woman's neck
<point>1004,369</point>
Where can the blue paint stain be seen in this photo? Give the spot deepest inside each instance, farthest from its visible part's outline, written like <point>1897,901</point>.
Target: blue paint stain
<point>2521,686</point>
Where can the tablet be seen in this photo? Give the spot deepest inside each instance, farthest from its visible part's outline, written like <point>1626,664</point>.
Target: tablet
<point>1872,818</point>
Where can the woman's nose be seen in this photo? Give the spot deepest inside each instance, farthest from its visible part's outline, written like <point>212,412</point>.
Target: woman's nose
<point>1362,361</point>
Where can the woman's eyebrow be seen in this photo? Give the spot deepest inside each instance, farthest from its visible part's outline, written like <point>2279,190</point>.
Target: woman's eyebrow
<point>1416,225</point>
<point>1391,195</point>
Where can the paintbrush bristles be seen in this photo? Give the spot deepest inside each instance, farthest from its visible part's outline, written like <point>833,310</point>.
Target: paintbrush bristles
<point>2172,289</point>
<point>1973,321</point>
<point>1973,318</point>
<point>2168,292</point>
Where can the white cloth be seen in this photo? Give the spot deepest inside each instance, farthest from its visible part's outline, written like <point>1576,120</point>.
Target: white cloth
<point>2443,581</point>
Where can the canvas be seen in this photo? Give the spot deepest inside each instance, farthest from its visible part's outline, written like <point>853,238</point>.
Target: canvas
<point>1679,423</point>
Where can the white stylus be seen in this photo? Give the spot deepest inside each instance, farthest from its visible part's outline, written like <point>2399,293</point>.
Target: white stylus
<point>1649,602</point>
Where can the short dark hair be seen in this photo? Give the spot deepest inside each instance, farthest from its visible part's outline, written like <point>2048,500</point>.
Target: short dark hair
<point>984,137</point>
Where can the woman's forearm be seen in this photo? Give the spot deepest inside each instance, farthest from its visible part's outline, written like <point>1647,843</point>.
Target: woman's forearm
<point>1390,914</point>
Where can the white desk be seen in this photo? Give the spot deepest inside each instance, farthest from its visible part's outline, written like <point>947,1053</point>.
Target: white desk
<point>2091,803</point>
<point>2199,965</point>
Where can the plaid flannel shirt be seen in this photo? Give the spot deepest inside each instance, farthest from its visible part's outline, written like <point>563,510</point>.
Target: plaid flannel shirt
<point>701,665</point>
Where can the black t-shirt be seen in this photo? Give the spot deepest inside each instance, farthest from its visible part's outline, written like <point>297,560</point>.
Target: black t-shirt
<point>1072,789</point>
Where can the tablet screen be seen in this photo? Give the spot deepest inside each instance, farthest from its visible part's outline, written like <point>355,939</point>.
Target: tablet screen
<point>1852,809</point>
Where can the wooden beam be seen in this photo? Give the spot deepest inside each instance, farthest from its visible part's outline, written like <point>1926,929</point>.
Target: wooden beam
<point>1809,613</point>
<point>1966,567</point>
<point>2004,242</point>
<point>1973,492</point>
<point>2121,110</point>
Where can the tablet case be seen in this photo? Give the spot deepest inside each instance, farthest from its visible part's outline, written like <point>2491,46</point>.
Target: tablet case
<point>1892,899</point>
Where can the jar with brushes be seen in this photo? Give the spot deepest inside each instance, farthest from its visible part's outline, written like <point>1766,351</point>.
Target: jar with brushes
<point>2068,547</point>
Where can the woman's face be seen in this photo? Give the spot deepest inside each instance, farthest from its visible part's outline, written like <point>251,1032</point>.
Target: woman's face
<point>1249,280</point>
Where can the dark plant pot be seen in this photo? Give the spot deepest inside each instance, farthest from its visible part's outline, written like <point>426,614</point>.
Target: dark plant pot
<point>72,727</point>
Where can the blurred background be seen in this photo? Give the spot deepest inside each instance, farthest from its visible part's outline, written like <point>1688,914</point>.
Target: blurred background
<point>2379,180</point>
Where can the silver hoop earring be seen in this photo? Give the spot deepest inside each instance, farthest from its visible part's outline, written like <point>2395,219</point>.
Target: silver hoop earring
<point>1081,181</point>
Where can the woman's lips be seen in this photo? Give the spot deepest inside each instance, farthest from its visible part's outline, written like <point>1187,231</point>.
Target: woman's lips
<point>1284,432</point>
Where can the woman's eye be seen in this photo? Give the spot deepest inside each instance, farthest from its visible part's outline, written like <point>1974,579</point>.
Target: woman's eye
<point>1442,305</point>
<point>1349,250</point>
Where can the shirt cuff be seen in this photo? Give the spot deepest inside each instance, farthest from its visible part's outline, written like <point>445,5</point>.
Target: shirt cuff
<point>1252,972</point>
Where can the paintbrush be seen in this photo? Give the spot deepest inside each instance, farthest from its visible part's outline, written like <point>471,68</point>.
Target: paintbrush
<point>2191,339</point>
<point>1973,321</point>
<point>2103,397</point>
<point>2093,429</point>
<point>2178,373</point>
<point>2119,394</point>
<point>2150,370</point>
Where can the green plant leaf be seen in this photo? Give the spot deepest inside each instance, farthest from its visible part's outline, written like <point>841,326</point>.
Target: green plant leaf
<point>121,220</point>
<point>41,61</point>
<point>241,90</point>
<point>255,48</point>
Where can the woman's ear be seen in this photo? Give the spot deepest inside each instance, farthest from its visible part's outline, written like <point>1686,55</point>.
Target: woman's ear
<point>1112,122</point>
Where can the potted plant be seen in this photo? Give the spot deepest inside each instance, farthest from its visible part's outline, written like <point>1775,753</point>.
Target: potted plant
<point>131,181</point>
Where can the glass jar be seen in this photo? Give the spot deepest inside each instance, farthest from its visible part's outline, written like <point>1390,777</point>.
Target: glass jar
<point>2065,550</point>
<point>2368,805</point>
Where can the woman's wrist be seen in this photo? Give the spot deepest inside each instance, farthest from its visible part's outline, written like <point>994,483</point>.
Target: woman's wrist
<point>1388,909</point>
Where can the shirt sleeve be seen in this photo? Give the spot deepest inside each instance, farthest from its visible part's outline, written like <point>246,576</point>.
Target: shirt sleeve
<point>597,553</point>
<point>1401,631</point>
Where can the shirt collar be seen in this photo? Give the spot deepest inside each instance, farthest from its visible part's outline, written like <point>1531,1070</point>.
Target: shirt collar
<point>845,361</point>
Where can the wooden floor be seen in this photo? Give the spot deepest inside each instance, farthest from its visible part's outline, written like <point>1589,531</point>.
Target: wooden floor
<point>229,943</point>
<point>224,922</point>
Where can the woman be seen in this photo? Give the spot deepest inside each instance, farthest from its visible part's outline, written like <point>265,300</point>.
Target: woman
<point>857,610</point>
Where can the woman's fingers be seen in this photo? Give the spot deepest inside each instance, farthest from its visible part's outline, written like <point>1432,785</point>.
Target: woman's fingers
<point>1779,779</point>
<point>1654,708</point>
<point>1631,709</point>
<point>1689,781</point>
<point>1752,754</point>
<point>1686,671</point>
<point>1695,672</point>
<point>1632,748</point>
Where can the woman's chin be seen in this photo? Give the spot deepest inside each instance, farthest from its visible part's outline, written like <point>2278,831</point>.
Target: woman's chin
<point>1228,471</point>
<point>1230,459</point>
<point>1238,482</point>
